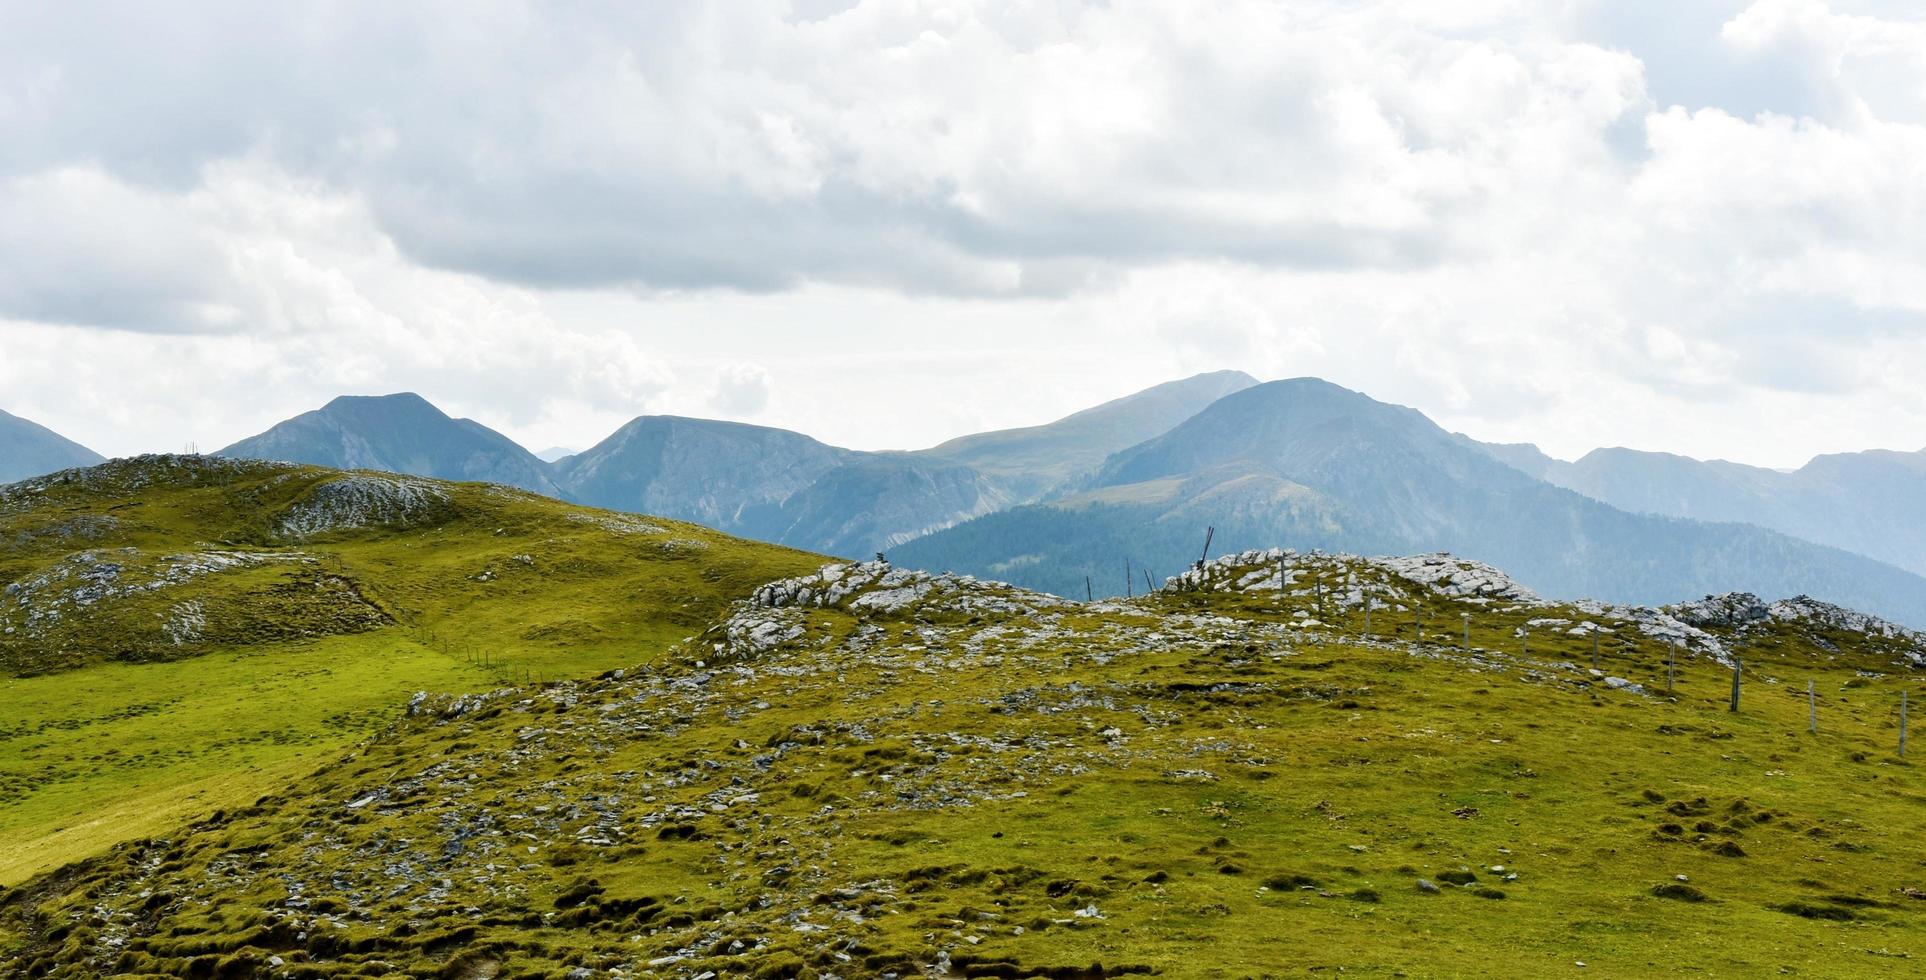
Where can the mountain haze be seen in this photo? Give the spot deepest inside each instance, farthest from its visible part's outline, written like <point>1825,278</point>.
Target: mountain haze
<point>1299,462</point>
<point>1309,464</point>
<point>775,485</point>
<point>1035,459</point>
<point>716,473</point>
<point>785,487</point>
<point>31,449</point>
<point>399,433</point>
<point>1866,502</point>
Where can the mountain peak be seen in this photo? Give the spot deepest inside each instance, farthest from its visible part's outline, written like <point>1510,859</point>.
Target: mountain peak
<point>399,433</point>
<point>399,401</point>
<point>1039,457</point>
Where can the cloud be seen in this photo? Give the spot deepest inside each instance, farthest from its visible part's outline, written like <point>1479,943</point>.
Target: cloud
<point>1582,215</point>
<point>742,390</point>
<point>79,247</point>
<point>973,149</point>
<point>256,297</point>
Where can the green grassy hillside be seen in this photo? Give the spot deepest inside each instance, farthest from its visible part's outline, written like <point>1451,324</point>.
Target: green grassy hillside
<point>872,772</point>
<point>180,634</point>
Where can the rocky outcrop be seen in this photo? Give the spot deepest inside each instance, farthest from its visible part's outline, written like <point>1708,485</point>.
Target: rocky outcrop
<point>1743,611</point>
<point>1391,578</point>
<point>135,473</point>
<point>76,584</point>
<point>771,617</point>
<point>359,501</point>
<point>1347,582</point>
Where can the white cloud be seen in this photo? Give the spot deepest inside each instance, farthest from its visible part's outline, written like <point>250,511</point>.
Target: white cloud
<point>1572,221</point>
<point>742,391</point>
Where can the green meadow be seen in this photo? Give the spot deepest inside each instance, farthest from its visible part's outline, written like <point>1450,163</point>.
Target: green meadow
<point>972,780</point>
<point>117,721</point>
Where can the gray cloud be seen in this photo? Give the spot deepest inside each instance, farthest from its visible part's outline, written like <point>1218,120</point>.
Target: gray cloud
<point>988,153</point>
<point>545,211</point>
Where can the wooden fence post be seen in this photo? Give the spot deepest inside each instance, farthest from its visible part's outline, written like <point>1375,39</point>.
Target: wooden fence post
<point>1902,724</point>
<point>1812,709</point>
<point>1735,684</point>
<point>1467,619</point>
<point>1368,603</point>
<point>1669,657</point>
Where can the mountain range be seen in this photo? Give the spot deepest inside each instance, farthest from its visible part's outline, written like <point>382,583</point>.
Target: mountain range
<point>1868,502</point>
<point>30,449</point>
<point>1065,505</point>
<point>1314,465</point>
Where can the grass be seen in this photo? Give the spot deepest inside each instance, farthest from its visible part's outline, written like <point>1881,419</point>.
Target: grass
<point>93,757</point>
<point>112,728</point>
<point>1219,793</point>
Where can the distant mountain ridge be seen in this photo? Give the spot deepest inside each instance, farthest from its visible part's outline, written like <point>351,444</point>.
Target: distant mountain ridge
<point>399,433</point>
<point>1866,502</point>
<point>1037,459</point>
<point>1299,462</point>
<point>1309,464</point>
<point>788,488</point>
<point>30,449</point>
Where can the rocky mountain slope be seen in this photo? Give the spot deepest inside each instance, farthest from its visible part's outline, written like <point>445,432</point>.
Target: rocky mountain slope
<point>785,487</point>
<point>400,433</point>
<point>1866,502</point>
<point>775,485</point>
<point>1278,762</point>
<point>1308,462</point>
<point>30,449</point>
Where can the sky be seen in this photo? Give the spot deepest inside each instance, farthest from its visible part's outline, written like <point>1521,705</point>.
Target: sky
<point>1690,227</point>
